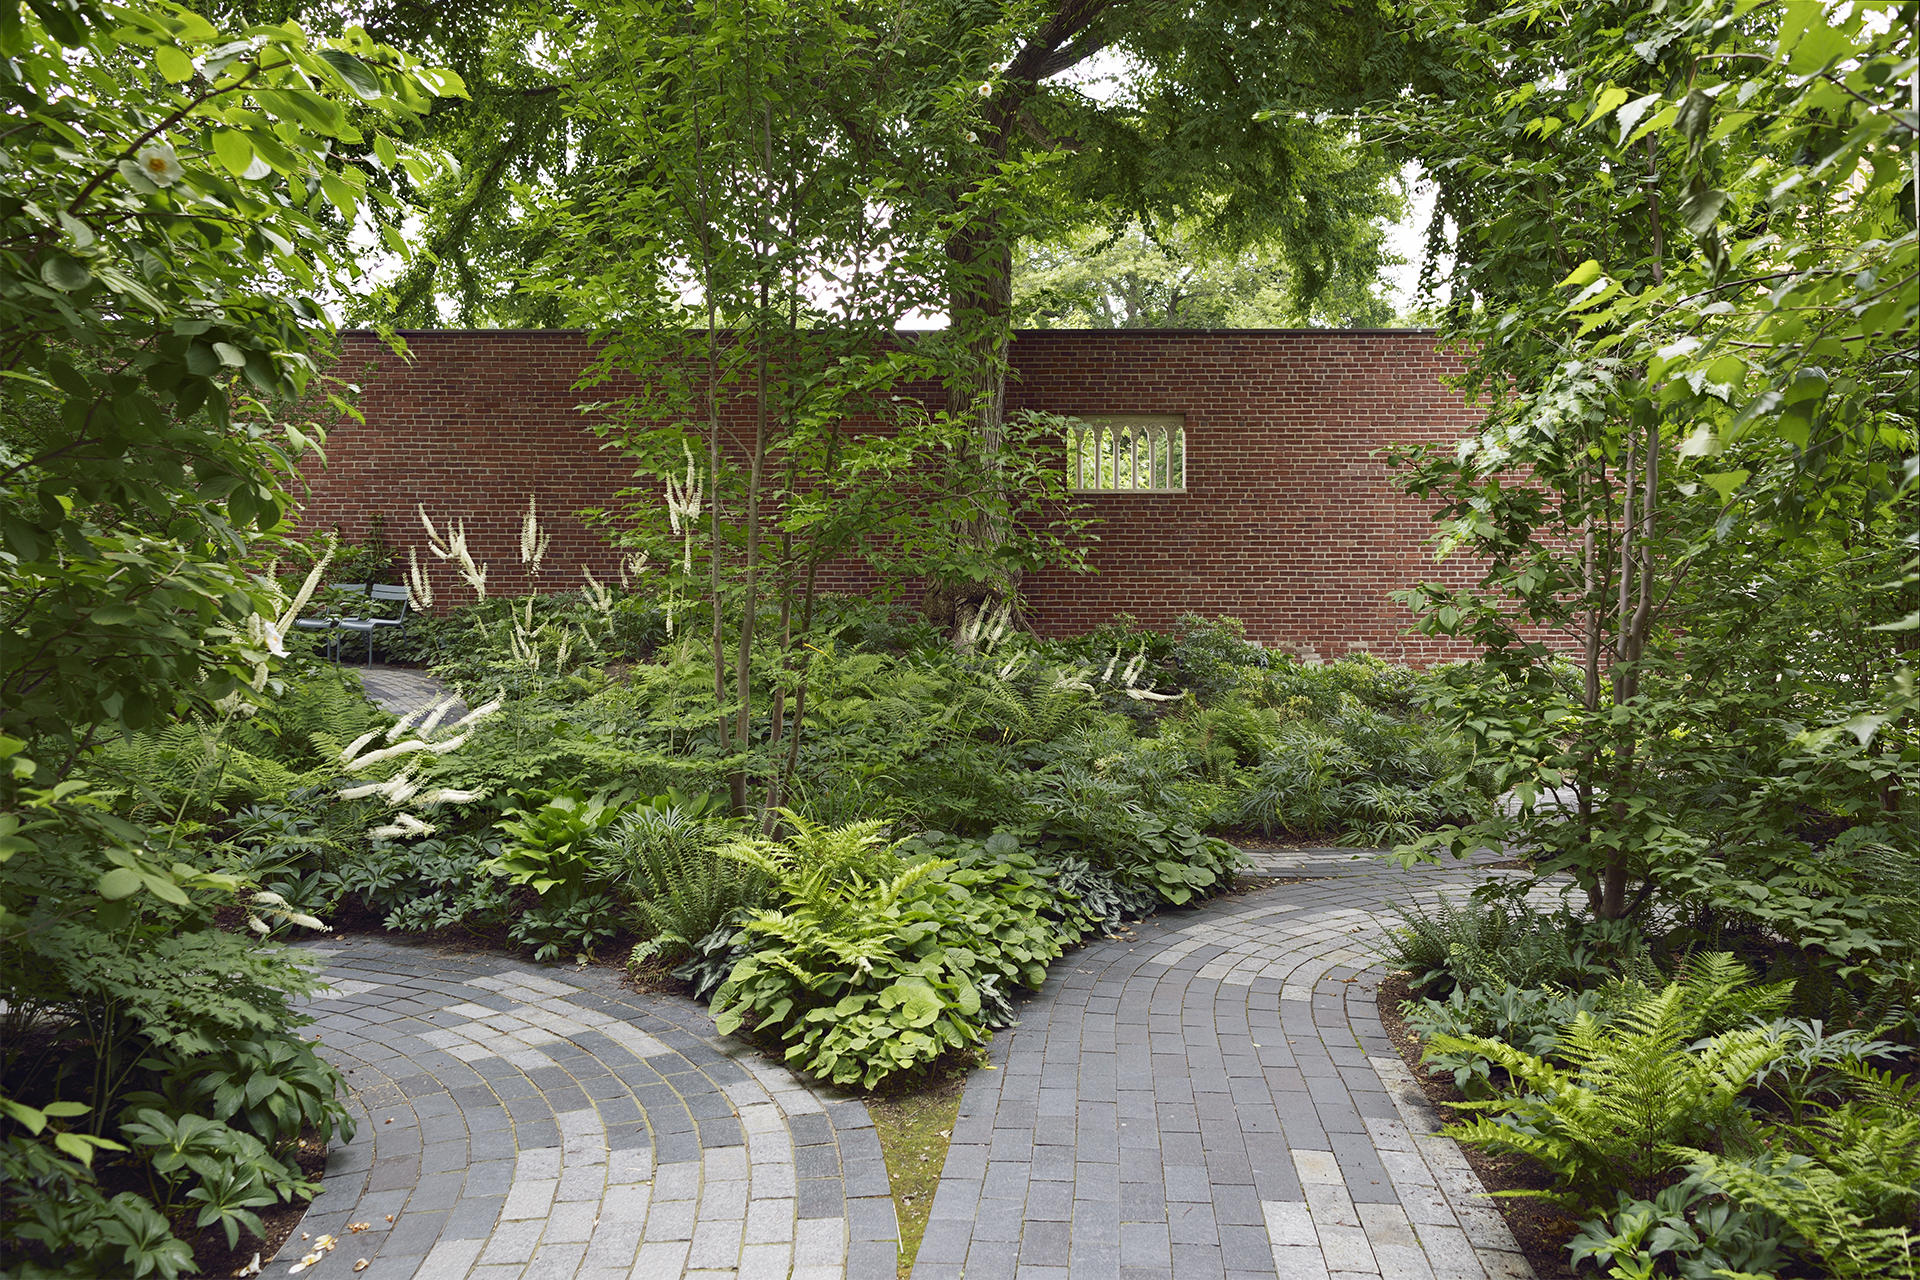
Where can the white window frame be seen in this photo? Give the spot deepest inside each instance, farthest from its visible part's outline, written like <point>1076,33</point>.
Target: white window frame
<point>1127,453</point>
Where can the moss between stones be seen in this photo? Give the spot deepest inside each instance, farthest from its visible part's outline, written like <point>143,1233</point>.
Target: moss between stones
<point>915,1129</point>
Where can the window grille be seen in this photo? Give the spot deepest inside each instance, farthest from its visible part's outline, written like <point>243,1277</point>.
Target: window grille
<point>1131,454</point>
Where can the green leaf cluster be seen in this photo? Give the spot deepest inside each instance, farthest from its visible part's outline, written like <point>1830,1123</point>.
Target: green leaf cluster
<point>874,964</point>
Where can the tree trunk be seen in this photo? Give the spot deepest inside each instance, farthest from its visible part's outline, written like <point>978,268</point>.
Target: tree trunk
<point>981,304</point>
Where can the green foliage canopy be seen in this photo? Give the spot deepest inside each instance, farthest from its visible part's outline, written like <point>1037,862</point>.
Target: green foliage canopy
<point>1686,278</point>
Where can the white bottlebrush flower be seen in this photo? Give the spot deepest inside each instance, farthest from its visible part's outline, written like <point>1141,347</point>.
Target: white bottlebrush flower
<point>372,758</point>
<point>448,795</point>
<point>524,650</point>
<point>158,162</point>
<point>476,576</point>
<point>480,713</point>
<point>533,540</point>
<point>401,788</point>
<point>684,506</point>
<point>1072,679</point>
<point>599,598</point>
<point>419,585</point>
<point>632,567</point>
<point>291,613</point>
<point>438,713</point>
<point>404,723</point>
<point>353,748</point>
<point>396,790</point>
<point>403,826</point>
<point>454,547</point>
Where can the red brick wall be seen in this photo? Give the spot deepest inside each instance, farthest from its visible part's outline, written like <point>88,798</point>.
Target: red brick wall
<point>1289,522</point>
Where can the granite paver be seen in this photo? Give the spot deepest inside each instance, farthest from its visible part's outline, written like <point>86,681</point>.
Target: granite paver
<point>1216,1097</point>
<point>533,1121</point>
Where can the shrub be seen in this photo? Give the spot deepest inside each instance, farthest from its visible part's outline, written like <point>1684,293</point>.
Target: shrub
<point>1481,941</point>
<point>874,963</point>
<point>547,847</point>
<point>1846,1183</point>
<point>1684,1230</point>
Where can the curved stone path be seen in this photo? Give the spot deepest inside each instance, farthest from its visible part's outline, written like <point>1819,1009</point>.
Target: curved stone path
<point>1213,1097</point>
<point>530,1121</point>
<point>1216,1097</point>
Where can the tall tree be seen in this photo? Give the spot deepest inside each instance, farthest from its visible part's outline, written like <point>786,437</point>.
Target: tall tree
<point>1685,275</point>
<point>1096,278</point>
<point>731,257</point>
<point>1222,116</point>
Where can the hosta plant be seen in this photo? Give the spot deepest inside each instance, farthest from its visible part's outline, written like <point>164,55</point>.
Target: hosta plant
<point>874,963</point>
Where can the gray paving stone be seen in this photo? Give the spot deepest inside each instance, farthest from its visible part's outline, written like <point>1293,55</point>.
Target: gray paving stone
<point>1183,1073</point>
<point>1148,1118</point>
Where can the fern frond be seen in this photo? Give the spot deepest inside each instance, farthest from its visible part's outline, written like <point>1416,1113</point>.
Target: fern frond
<point>1812,1200</point>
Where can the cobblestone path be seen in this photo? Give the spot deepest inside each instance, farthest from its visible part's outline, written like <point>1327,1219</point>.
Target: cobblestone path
<point>1216,1098</point>
<point>539,1121</point>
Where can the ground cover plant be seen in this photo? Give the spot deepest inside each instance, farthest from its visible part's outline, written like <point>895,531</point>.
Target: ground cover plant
<point>957,818</point>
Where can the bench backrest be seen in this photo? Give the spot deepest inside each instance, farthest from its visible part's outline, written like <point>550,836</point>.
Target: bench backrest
<point>382,593</point>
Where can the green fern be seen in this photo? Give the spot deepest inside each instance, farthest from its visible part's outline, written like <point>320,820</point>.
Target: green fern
<point>665,856</point>
<point>1851,1184</point>
<point>1635,1090</point>
<point>1815,1201</point>
<point>1025,700</point>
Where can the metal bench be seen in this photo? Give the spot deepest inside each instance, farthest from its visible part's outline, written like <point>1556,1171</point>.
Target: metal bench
<point>338,625</point>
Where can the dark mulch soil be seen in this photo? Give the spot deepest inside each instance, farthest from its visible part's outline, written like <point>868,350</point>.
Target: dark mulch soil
<point>1253,840</point>
<point>1540,1228</point>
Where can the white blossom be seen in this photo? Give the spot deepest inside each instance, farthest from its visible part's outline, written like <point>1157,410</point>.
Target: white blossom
<point>158,162</point>
<point>419,585</point>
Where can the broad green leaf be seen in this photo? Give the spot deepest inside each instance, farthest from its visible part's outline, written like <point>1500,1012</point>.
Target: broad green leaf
<point>118,883</point>
<point>173,64</point>
<point>234,150</point>
<point>358,75</point>
<point>1586,273</point>
<point>1610,97</point>
<point>66,274</point>
<point>1724,483</point>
